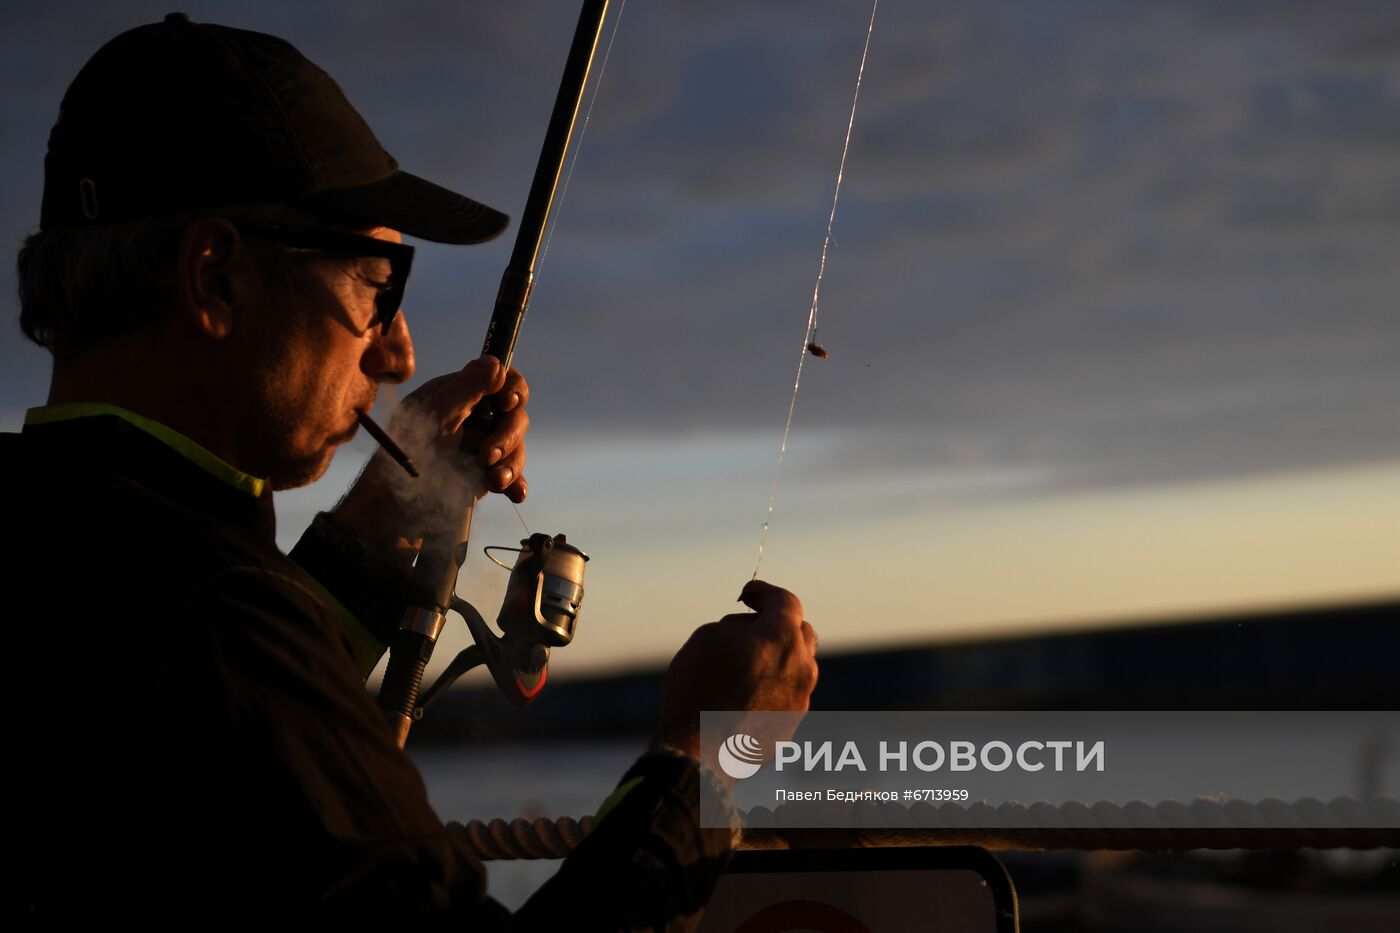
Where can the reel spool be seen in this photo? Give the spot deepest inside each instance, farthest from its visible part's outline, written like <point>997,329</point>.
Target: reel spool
<point>539,612</point>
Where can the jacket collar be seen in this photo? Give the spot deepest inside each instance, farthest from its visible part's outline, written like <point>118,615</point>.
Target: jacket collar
<point>153,455</point>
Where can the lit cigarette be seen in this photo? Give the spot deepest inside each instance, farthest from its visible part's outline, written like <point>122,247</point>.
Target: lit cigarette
<point>386,442</point>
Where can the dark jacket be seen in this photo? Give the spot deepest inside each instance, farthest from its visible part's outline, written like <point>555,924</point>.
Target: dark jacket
<point>195,737</point>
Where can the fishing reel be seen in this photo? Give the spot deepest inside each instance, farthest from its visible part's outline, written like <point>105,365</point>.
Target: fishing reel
<point>539,612</point>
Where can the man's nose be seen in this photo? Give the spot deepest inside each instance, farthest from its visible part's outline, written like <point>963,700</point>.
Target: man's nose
<point>390,357</point>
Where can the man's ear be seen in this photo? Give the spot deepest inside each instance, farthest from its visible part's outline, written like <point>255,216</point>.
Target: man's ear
<point>213,276</point>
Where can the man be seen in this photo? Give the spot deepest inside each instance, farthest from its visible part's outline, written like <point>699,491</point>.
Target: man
<point>218,274</point>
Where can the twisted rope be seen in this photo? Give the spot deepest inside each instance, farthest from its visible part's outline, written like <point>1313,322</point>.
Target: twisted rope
<point>523,839</point>
<point>1202,824</point>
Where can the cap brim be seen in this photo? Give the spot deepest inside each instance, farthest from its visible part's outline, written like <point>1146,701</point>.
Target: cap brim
<point>418,208</point>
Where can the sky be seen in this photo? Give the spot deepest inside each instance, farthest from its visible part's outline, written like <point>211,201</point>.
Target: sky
<point>1112,307</point>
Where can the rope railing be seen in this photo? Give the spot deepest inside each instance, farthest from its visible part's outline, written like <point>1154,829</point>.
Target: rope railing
<point>1344,823</point>
<point>498,840</point>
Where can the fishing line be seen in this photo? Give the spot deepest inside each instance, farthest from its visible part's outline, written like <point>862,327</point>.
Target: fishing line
<point>568,176</point>
<point>578,144</point>
<point>809,335</point>
<point>522,519</point>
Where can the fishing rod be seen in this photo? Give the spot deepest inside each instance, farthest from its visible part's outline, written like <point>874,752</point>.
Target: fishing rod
<point>542,599</point>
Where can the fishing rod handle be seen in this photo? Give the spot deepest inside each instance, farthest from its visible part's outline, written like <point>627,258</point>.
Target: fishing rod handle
<point>403,679</point>
<point>432,588</point>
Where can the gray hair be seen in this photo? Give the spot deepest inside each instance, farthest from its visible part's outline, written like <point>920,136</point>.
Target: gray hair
<point>80,286</point>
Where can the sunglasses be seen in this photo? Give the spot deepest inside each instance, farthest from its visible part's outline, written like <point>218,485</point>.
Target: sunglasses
<point>389,296</point>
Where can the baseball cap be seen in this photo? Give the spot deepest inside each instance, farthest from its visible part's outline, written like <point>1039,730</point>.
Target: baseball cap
<point>178,116</point>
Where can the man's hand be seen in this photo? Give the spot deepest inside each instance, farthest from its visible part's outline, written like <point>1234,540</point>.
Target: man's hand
<point>764,660</point>
<point>448,400</point>
<point>389,511</point>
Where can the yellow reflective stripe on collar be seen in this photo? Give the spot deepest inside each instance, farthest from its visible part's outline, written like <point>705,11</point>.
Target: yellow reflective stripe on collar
<point>364,646</point>
<point>613,800</point>
<point>211,464</point>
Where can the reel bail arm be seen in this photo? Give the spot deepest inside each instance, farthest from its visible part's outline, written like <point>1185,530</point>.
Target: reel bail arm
<point>539,612</point>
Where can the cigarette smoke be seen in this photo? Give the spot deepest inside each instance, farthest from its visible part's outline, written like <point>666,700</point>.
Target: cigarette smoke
<point>451,476</point>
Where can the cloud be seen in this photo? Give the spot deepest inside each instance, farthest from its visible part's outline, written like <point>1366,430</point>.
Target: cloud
<point>1102,243</point>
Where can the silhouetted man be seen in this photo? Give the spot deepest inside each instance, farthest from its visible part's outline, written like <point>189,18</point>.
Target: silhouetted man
<point>218,275</point>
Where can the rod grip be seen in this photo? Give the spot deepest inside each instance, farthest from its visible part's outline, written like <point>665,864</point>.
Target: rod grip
<point>403,679</point>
